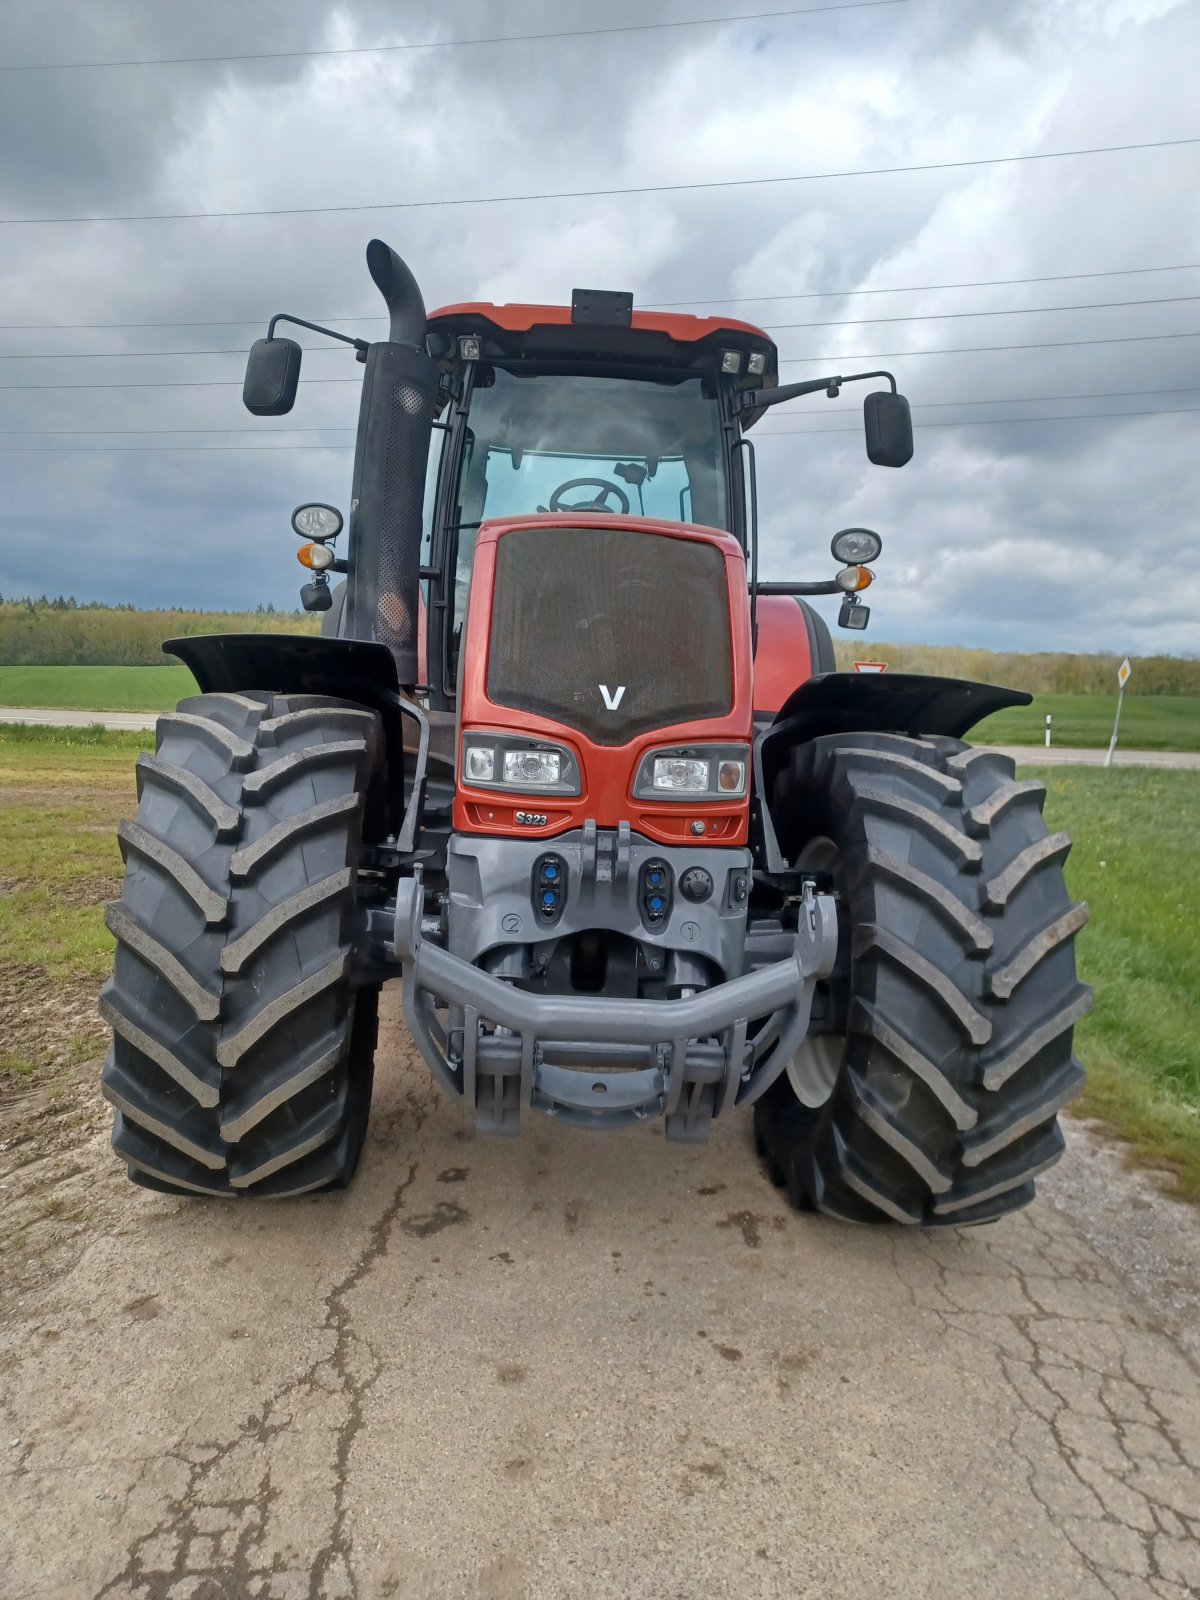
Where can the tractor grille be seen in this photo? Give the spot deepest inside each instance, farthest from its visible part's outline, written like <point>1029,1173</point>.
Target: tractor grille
<point>610,631</point>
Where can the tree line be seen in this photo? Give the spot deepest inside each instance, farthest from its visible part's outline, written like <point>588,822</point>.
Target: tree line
<point>64,632</point>
<point>1041,672</point>
<point>61,632</point>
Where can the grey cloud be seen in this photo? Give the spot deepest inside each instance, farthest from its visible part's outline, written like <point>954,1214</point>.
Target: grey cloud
<point>965,525</point>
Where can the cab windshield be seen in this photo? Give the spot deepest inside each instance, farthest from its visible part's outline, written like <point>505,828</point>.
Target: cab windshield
<point>565,443</point>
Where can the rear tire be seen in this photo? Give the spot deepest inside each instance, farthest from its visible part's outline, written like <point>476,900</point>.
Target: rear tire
<point>242,1059</point>
<point>957,1006</point>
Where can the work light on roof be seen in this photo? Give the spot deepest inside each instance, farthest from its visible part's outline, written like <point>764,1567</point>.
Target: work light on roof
<point>757,364</point>
<point>468,347</point>
<point>731,360</point>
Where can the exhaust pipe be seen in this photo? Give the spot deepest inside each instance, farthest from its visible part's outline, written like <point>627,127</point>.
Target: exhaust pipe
<point>395,422</point>
<point>401,293</point>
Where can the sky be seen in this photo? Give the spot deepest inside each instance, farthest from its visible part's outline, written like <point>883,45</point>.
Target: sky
<point>1032,517</point>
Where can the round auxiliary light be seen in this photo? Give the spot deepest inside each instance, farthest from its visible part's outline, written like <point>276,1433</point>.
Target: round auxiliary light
<point>855,545</point>
<point>317,521</point>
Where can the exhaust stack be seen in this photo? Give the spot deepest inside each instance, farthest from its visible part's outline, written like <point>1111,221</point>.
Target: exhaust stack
<point>395,422</point>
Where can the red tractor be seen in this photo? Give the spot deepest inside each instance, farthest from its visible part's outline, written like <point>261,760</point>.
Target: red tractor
<point>595,795</point>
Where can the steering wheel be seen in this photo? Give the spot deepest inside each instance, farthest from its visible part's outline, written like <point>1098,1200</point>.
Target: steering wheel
<point>605,487</point>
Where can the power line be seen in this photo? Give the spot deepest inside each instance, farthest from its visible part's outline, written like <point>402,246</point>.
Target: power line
<point>127,355</point>
<point>60,433</point>
<point>449,44</point>
<point>961,350</point>
<point>153,449</point>
<point>769,327</point>
<point>1003,422</point>
<point>595,194</point>
<point>649,305</point>
<point>826,294</point>
<point>928,405</point>
<point>951,316</point>
<point>191,449</point>
<point>877,355</point>
<point>184,383</point>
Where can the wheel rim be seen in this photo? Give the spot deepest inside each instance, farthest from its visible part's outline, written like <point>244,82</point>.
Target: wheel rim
<point>813,1070</point>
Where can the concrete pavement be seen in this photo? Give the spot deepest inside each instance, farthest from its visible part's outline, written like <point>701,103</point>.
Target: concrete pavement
<point>582,1365</point>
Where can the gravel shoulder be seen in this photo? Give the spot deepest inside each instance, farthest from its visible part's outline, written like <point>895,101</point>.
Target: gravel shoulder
<point>579,1365</point>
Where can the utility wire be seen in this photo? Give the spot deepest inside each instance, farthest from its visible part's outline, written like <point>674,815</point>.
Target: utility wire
<point>962,349</point>
<point>768,327</point>
<point>595,194</point>
<point>152,449</point>
<point>333,427</point>
<point>928,405</point>
<point>825,294</point>
<point>785,361</point>
<point>649,305</point>
<point>994,422</point>
<point>449,44</point>
<point>951,316</point>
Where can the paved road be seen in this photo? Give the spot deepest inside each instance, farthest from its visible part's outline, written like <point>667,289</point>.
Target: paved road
<point>119,721</point>
<point>1027,755</point>
<point>574,1365</point>
<point>1035,756</point>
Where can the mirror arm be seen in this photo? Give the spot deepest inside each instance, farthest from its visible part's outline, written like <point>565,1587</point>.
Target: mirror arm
<point>826,586</point>
<point>360,345</point>
<point>756,399</point>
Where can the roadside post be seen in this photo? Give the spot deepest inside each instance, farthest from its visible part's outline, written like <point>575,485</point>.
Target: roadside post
<point>1124,673</point>
<point>1047,730</point>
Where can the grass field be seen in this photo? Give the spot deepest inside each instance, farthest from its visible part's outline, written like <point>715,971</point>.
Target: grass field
<point>62,792</point>
<point>96,688</point>
<point>1085,721</point>
<point>1136,861</point>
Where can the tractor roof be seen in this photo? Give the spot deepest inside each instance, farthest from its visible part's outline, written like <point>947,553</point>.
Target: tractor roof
<point>558,335</point>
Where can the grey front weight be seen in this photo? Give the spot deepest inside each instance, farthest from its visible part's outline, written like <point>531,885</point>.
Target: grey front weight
<point>504,1048</point>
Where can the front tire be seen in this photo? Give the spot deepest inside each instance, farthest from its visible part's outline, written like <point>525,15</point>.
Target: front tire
<point>242,1059</point>
<point>956,1006</point>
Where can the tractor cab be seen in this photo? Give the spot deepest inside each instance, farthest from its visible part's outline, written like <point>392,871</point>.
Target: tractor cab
<point>590,410</point>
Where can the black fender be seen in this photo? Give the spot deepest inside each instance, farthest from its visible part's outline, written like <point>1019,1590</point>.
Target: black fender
<point>359,670</point>
<point>287,663</point>
<point>849,702</point>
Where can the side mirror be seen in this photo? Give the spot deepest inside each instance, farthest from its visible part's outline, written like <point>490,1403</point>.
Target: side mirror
<point>888,423</point>
<point>272,373</point>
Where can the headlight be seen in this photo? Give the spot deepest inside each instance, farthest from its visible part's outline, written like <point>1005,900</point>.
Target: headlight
<point>701,772</point>
<point>853,546</point>
<point>680,774</point>
<point>507,761</point>
<point>317,521</point>
<point>532,766</point>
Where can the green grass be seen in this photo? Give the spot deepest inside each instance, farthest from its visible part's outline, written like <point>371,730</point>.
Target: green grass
<point>62,793</point>
<point>1085,721</point>
<point>1136,861</point>
<point>96,688</point>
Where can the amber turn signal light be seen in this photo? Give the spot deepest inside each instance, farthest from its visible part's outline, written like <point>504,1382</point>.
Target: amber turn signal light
<point>851,579</point>
<point>317,557</point>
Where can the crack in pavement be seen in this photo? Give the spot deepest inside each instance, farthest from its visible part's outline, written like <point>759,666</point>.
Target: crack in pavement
<point>276,1471</point>
<point>213,1538</point>
<point>1078,1362</point>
